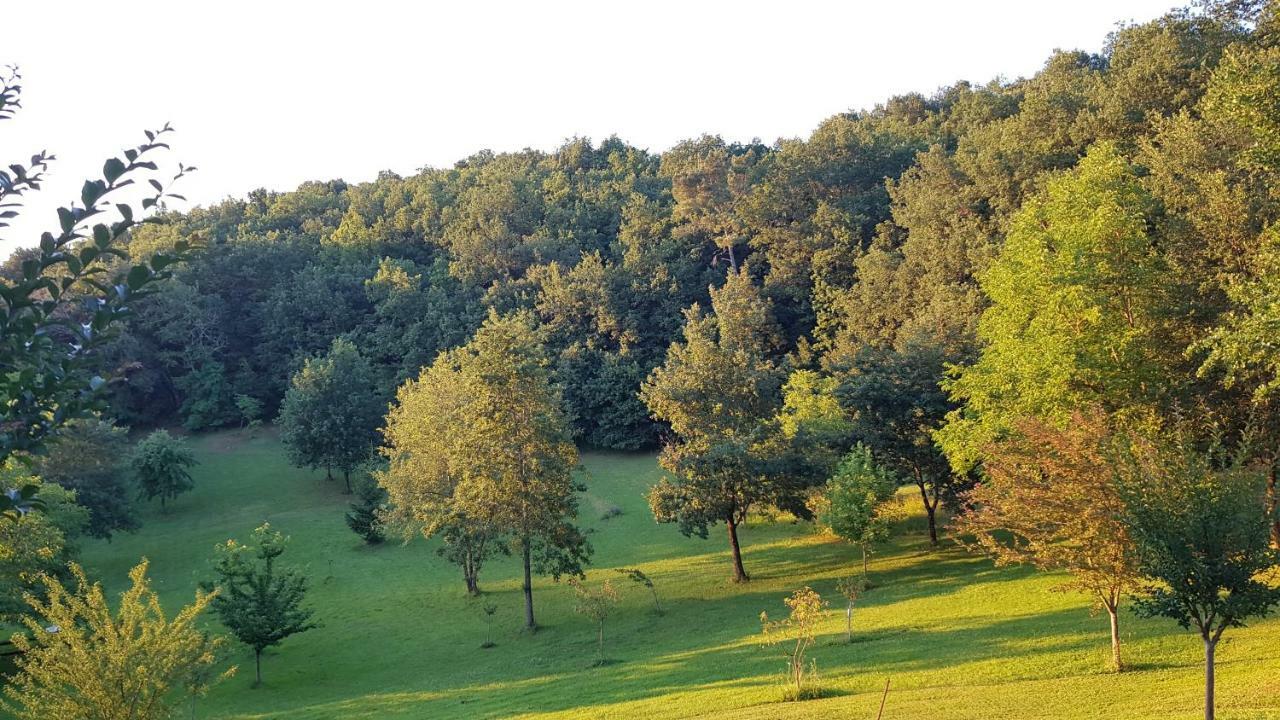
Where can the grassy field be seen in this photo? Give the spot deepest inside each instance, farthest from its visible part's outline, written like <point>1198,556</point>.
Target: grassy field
<point>956,637</point>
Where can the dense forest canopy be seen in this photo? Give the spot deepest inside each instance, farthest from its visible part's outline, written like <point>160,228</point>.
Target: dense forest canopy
<point>872,239</point>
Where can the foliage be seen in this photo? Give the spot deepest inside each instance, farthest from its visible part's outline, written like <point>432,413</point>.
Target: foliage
<point>159,462</point>
<point>1200,533</point>
<point>856,495</point>
<point>1050,499</point>
<point>479,450</point>
<point>637,576</point>
<point>88,458</point>
<point>250,410</point>
<point>796,633</point>
<point>37,545</point>
<point>133,664</point>
<point>364,518</point>
<point>720,390</point>
<point>851,588</point>
<point>595,604</point>
<point>259,601</point>
<point>331,413</point>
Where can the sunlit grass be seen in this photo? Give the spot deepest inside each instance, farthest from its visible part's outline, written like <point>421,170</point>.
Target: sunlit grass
<point>956,637</point>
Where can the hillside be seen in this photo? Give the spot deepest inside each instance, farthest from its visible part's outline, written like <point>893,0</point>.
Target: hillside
<point>956,637</point>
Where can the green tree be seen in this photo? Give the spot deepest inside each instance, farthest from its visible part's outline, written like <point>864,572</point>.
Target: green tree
<point>250,410</point>
<point>364,518</point>
<point>856,495</point>
<point>160,464</point>
<point>1200,532</point>
<point>801,628</point>
<point>480,449</point>
<point>332,411</point>
<point>130,664</point>
<point>258,600</point>
<point>720,391</point>
<point>89,458</point>
<point>596,604</point>
<point>896,404</point>
<point>1080,312</point>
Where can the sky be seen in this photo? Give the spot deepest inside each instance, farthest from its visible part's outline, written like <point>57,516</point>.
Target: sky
<point>272,93</point>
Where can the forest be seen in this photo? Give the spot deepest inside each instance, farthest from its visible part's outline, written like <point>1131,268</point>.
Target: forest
<point>1032,320</point>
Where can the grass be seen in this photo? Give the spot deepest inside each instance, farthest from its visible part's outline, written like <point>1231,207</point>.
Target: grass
<point>956,637</point>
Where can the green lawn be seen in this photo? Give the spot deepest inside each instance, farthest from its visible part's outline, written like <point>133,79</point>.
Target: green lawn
<point>956,637</point>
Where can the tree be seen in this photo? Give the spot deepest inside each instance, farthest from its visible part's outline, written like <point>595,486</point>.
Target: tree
<point>720,390</point>
<point>427,461</point>
<point>1081,315</point>
<point>1049,499</point>
<point>1200,533</point>
<point>50,369</point>
<point>851,588</point>
<point>364,518</point>
<point>800,627</point>
<point>479,448</point>
<point>894,399</point>
<point>637,576</point>
<point>250,410</point>
<point>88,458</point>
<point>595,604</point>
<point>160,463</point>
<point>259,601</point>
<point>856,495</point>
<point>331,412</point>
<point>100,665</point>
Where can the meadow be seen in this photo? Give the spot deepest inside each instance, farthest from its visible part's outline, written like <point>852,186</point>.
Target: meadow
<point>954,636</point>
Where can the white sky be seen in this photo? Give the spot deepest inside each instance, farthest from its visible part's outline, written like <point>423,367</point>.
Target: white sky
<point>269,94</point>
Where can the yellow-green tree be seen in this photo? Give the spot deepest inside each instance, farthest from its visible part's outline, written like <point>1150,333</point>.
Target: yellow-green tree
<point>81,660</point>
<point>796,633</point>
<point>480,442</point>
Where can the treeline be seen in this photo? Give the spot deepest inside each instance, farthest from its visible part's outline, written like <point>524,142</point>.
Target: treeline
<point>868,237</point>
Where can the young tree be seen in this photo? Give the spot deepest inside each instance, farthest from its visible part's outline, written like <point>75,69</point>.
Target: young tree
<point>595,604</point>
<point>1050,499</point>
<point>332,411</point>
<point>856,495</point>
<point>88,458</point>
<point>160,463</point>
<point>851,588</point>
<point>364,519</point>
<point>801,628</point>
<point>126,665</point>
<point>1201,533</point>
<point>637,576</point>
<point>720,390</point>
<point>259,601</point>
<point>250,410</point>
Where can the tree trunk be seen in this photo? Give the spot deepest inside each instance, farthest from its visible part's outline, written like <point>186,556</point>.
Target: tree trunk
<point>328,473</point>
<point>1210,644</point>
<point>346,475</point>
<point>930,509</point>
<point>600,645</point>
<point>1271,505</point>
<point>1112,611</point>
<point>848,622</point>
<point>733,260</point>
<point>864,561</point>
<point>257,665</point>
<point>473,585</point>
<point>529,623</point>
<point>739,573</point>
